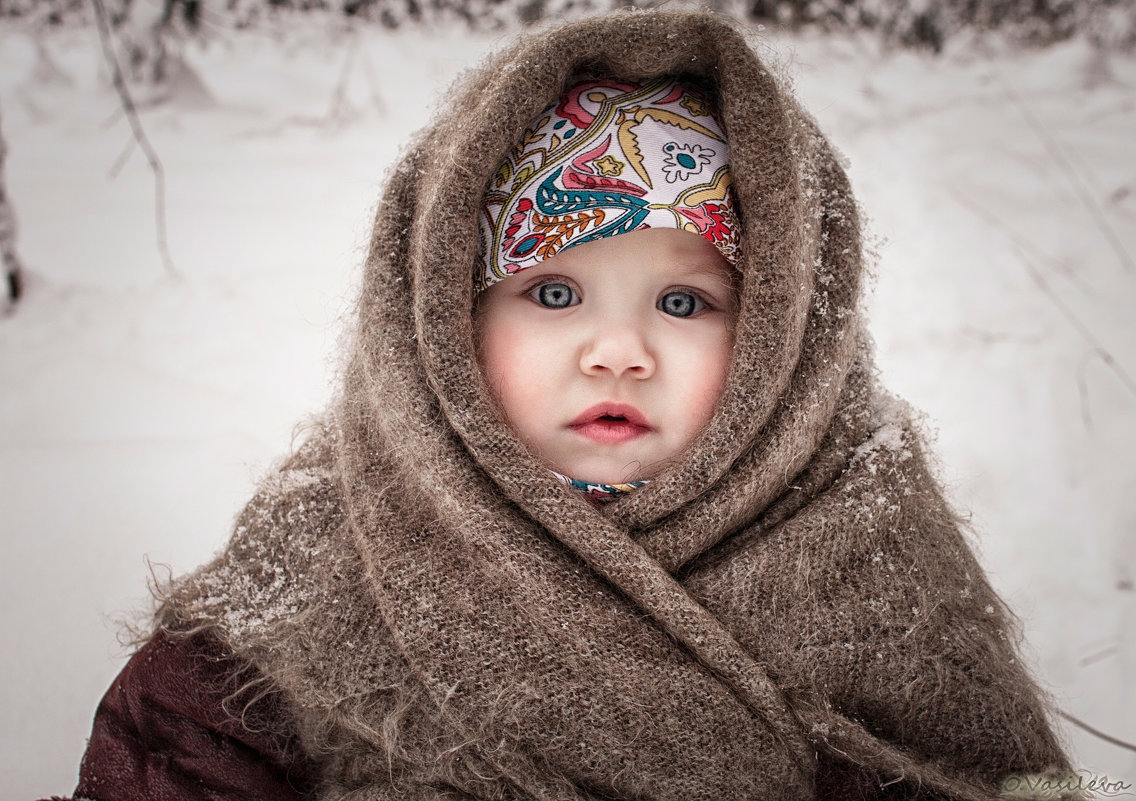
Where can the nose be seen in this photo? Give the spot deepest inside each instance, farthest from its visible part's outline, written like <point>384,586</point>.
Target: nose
<point>619,349</point>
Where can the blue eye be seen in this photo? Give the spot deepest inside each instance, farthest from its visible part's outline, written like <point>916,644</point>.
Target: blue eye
<point>555,296</point>
<point>680,304</point>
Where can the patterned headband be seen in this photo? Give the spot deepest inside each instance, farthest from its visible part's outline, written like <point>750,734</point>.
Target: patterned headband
<point>607,158</point>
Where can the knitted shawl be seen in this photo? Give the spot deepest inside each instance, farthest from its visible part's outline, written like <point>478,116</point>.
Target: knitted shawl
<point>441,617</point>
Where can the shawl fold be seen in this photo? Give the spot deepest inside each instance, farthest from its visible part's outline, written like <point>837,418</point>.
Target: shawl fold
<point>445,619</point>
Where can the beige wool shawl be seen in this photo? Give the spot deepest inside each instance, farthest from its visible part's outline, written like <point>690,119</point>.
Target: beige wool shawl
<point>441,618</point>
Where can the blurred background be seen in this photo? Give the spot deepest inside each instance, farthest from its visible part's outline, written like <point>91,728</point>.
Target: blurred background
<point>185,201</point>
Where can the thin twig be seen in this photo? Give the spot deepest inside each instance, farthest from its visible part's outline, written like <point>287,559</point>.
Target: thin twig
<point>372,82</point>
<point>1108,738</point>
<point>123,157</point>
<point>131,112</point>
<point>13,268</point>
<point>1020,241</point>
<point>1083,393</point>
<point>111,119</point>
<point>1076,181</point>
<point>339,110</point>
<point>1099,349</point>
<point>1098,656</point>
<point>13,277</point>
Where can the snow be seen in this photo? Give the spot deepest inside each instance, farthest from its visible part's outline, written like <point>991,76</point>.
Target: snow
<point>138,410</point>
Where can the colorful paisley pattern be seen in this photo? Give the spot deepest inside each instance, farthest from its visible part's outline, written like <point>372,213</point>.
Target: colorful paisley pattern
<point>606,158</point>
<point>600,493</point>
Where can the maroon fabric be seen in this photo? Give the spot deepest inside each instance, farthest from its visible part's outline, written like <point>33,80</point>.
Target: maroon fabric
<point>162,734</point>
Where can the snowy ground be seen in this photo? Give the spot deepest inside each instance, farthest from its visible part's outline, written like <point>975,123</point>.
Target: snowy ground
<point>137,410</point>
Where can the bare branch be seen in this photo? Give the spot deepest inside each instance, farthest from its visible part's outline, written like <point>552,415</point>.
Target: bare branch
<point>1108,738</point>
<point>1076,181</point>
<point>1099,349</point>
<point>1023,251</point>
<point>123,157</point>
<point>13,275</point>
<point>131,111</point>
<point>13,268</point>
<point>1083,392</point>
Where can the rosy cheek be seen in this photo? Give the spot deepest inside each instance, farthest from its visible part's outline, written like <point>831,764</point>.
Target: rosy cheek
<point>704,392</point>
<point>703,405</point>
<point>512,359</point>
<point>499,370</point>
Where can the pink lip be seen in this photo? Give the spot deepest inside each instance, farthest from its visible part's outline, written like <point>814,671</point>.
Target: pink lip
<point>611,423</point>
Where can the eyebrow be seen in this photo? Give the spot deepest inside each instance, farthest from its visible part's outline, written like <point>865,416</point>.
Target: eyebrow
<point>708,268</point>
<point>700,266</point>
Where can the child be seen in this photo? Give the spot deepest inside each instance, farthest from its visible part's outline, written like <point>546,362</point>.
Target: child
<point>623,261</point>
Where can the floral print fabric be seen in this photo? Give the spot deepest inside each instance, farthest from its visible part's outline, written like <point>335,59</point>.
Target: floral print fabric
<point>607,158</point>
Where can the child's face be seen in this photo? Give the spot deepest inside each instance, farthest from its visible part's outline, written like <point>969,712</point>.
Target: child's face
<point>608,358</point>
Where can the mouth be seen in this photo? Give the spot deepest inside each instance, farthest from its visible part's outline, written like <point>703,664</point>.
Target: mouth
<point>611,423</point>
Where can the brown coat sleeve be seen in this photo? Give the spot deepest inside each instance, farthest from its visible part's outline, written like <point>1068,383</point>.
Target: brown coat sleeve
<point>161,734</point>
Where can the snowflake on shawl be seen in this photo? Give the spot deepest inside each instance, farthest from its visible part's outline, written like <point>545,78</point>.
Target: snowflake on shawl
<point>607,158</point>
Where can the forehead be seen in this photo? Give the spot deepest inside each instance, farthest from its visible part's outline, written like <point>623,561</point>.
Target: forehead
<point>669,250</point>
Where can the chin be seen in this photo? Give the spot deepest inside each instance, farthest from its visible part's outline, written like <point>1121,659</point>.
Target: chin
<point>607,473</point>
